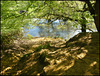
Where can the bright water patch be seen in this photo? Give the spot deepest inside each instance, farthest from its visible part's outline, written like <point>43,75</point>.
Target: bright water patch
<point>52,30</point>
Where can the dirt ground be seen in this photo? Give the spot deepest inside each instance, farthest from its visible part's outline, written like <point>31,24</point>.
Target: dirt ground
<point>49,56</point>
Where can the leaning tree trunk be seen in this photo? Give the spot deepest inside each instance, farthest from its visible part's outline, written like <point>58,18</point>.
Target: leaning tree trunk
<point>96,20</point>
<point>94,11</point>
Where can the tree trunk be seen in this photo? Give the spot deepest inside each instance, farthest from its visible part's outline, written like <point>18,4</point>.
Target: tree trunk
<point>94,11</point>
<point>83,23</point>
<point>83,28</point>
<point>96,20</point>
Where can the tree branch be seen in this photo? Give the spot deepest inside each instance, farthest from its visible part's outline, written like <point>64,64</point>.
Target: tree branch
<point>91,9</point>
<point>62,16</point>
<point>86,9</point>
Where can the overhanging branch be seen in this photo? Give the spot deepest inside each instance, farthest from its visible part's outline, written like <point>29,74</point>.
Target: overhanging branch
<point>62,16</point>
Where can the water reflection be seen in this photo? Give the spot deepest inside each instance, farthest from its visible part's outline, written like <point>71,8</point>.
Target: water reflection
<point>56,29</point>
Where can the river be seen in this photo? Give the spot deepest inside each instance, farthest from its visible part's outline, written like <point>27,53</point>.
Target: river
<point>57,29</point>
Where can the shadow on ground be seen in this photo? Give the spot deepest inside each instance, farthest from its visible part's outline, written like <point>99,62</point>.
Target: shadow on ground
<point>47,56</point>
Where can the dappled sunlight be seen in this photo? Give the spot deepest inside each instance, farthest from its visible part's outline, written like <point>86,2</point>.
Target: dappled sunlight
<point>94,63</point>
<point>49,38</point>
<point>75,48</point>
<point>65,64</point>
<point>18,72</point>
<point>61,65</point>
<point>82,55</point>
<point>44,50</point>
<point>44,57</point>
<point>94,66</point>
<point>8,68</point>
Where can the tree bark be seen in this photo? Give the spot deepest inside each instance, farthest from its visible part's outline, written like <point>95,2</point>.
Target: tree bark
<point>96,20</point>
<point>83,24</point>
<point>94,11</point>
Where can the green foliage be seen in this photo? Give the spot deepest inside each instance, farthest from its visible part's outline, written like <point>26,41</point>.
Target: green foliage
<point>8,35</point>
<point>12,21</point>
<point>29,36</point>
<point>63,9</point>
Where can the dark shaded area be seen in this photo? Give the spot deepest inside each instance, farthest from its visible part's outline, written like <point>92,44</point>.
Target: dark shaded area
<point>22,11</point>
<point>83,65</point>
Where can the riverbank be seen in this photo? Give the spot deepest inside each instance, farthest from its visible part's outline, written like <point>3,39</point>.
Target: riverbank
<point>49,56</point>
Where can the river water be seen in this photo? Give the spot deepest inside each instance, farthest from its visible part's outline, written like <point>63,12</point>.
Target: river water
<point>56,29</point>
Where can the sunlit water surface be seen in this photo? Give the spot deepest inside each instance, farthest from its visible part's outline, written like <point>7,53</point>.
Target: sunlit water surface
<point>53,30</point>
